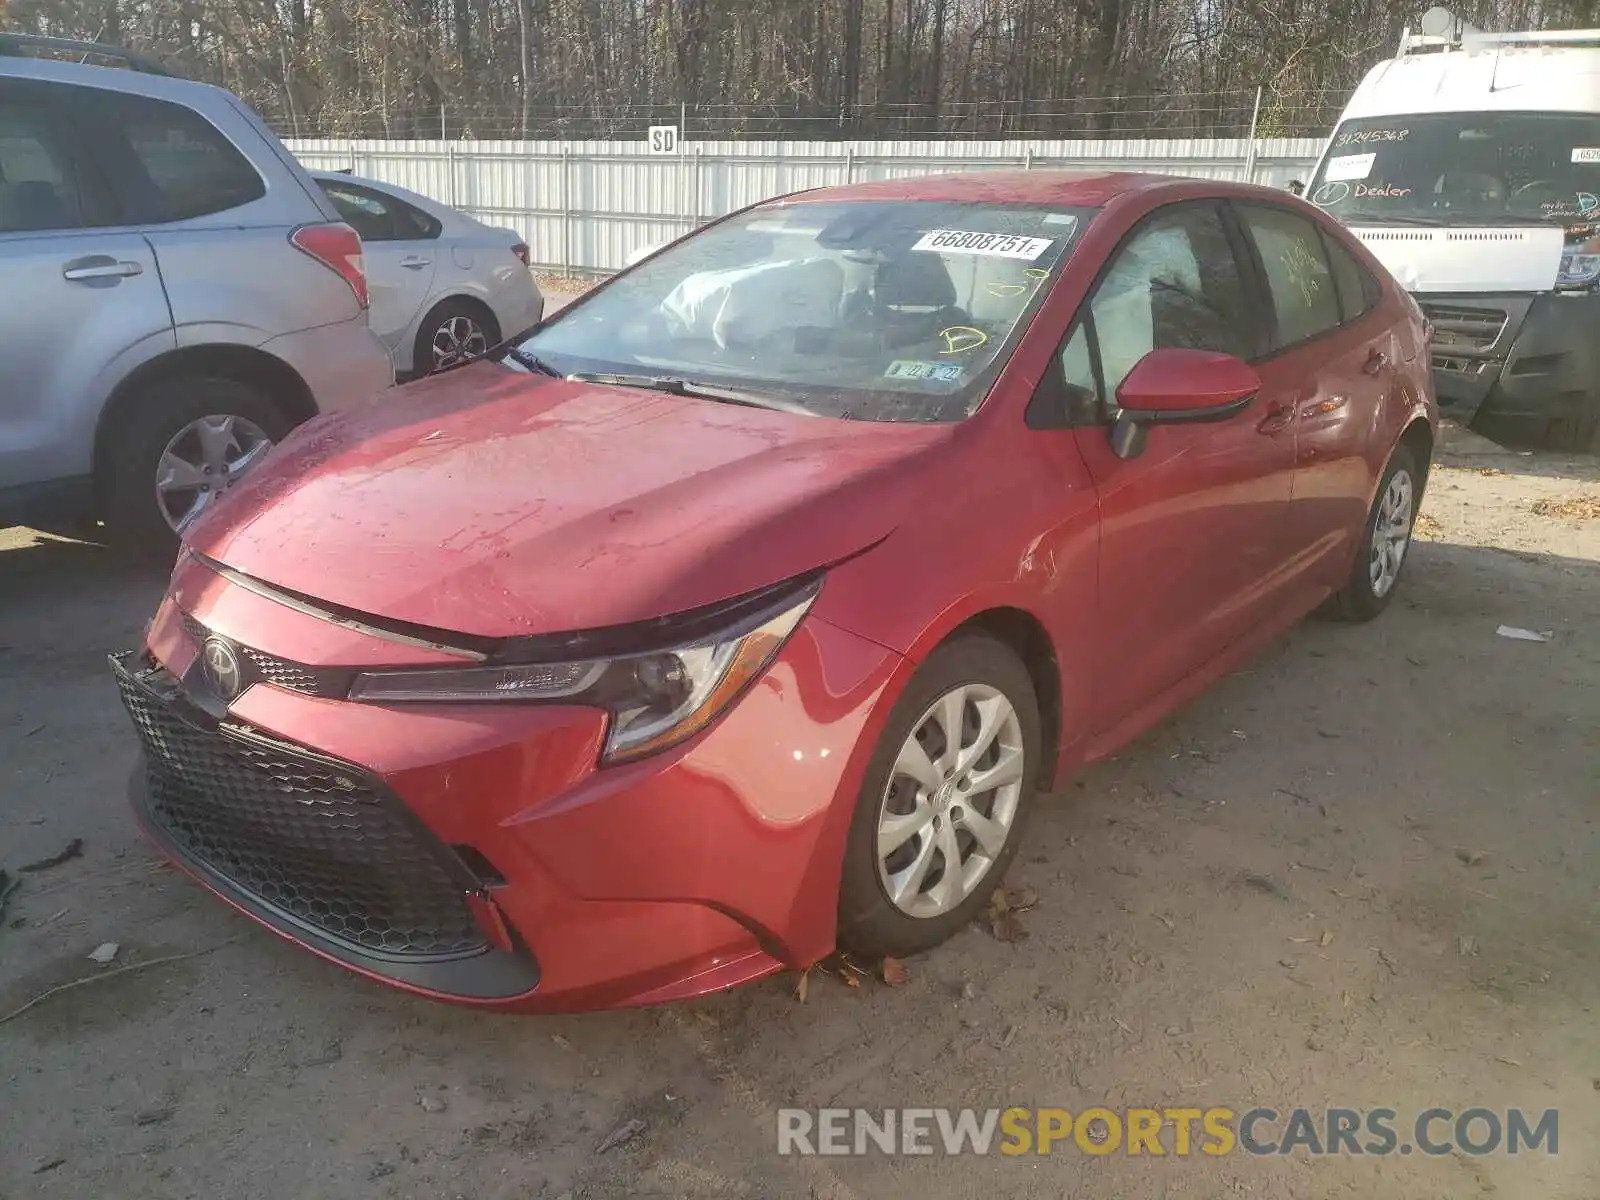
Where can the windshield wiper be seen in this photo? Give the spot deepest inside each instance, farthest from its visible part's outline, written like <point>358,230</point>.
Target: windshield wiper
<point>532,361</point>
<point>698,391</point>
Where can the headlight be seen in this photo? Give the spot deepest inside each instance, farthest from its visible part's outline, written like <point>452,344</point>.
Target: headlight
<point>655,699</point>
<point>1580,266</point>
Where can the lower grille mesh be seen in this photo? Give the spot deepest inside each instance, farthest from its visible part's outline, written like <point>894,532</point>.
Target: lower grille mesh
<point>324,845</point>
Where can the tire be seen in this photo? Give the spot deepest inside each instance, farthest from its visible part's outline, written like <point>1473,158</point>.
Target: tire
<point>1362,598</point>
<point>871,923</point>
<point>164,416</point>
<point>1578,433</point>
<point>444,321</point>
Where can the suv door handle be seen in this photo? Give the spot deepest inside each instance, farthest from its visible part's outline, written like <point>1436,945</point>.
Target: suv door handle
<point>1376,361</point>
<point>100,268</point>
<point>415,263</point>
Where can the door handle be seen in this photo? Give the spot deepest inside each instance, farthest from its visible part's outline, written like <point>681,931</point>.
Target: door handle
<point>1376,362</point>
<point>415,263</point>
<point>1279,416</point>
<point>106,270</point>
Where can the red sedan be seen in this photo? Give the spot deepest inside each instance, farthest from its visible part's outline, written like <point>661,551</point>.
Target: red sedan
<point>744,609</point>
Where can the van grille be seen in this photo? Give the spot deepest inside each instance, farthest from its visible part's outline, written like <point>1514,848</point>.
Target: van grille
<point>1469,330</point>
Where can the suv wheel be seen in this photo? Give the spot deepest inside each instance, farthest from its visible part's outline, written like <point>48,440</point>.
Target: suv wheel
<point>180,446</point>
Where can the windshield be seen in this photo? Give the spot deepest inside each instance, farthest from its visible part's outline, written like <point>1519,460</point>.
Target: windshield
<point>884,311</point>
<point>1458,168</point>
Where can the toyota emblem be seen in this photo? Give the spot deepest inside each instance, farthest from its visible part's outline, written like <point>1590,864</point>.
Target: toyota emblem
<point>220,664</point>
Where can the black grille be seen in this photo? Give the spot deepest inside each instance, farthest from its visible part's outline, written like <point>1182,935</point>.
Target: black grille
<point>315,840</point>
<point>1474,330</point>
<point>330,682</point>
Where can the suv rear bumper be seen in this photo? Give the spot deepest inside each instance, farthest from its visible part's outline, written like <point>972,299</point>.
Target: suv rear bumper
<point>342,364</point>
<point>1523,357</point>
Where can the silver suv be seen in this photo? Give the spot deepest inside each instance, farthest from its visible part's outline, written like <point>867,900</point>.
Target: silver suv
<point>175,294</point>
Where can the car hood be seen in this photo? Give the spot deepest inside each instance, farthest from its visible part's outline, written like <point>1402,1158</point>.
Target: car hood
<point>495,503</point>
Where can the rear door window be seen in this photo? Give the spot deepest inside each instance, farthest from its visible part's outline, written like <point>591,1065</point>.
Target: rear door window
<point>1305,300</point>
<point>1358,290</point>
<point>39,189</point>
<point>173,164</point>
<point>378,217</point>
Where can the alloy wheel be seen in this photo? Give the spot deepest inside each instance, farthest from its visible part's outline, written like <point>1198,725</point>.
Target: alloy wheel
<point>950,801</point>
<point>459,338</point>
<point>203,460</point>
<point>1391,533</point>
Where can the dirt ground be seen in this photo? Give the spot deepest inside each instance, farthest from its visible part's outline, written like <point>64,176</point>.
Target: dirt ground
<point>1416,798</point>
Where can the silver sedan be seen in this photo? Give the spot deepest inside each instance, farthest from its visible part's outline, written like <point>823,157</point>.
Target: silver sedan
<point>444,286</point>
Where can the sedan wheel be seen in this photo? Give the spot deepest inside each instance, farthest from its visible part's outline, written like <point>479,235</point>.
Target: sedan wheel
<point>950,800</point>
<point>203,460</point>
<point>943,801</point>
<point>1385,541</point>
<point>457,339</point>
<point>1391,533</point>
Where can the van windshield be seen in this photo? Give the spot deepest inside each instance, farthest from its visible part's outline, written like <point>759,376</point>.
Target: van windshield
<point>1461,168</point>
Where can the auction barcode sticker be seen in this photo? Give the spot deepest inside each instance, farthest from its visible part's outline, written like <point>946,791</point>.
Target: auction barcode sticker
<point>998,245</point>
<point>1349,166</point>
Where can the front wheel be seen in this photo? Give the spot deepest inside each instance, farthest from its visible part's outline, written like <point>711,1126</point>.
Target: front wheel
<point>1385,540</point>
<point>941,810</point>
<point>180,445</point>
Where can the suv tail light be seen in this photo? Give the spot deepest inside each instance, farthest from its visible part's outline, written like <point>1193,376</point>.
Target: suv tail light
<point>521,251</point>
<point>337,247</point>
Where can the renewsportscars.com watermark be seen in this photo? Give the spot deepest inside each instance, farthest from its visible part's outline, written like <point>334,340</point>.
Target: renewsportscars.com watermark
<point>1180,1132</point>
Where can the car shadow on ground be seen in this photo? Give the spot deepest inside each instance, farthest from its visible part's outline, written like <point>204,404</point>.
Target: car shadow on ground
<point>1467,450</point>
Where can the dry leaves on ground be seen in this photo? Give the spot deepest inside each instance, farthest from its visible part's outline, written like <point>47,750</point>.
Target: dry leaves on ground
<point>1001,915</point>
<point>1573,508</point>
<point>842,967</point>
<point>1427,526</point>
<point>567,285</point>
<point>894,972</point>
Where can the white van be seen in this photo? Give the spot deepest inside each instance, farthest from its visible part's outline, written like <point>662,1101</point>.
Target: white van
<point>1470,165</point>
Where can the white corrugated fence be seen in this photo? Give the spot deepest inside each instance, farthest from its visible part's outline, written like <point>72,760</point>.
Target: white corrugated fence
<point>583,206</point>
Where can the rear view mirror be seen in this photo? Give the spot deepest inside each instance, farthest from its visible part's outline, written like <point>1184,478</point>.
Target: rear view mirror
<point>1173,387</point>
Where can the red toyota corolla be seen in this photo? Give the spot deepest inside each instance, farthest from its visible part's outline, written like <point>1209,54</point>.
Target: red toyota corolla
<point>741,610</point>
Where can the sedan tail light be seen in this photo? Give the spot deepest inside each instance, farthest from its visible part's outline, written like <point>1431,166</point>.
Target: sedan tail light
<point>521,251</point>
<point>337,247</point>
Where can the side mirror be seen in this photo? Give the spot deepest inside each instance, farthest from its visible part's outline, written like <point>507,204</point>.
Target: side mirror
<point>1297,186</point>
<point>1178,387</point>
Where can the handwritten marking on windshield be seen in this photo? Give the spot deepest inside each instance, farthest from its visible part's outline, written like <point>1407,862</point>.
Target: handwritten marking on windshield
<point>1365,137</point>
<point>960,339</point>
<point>1330,194</point>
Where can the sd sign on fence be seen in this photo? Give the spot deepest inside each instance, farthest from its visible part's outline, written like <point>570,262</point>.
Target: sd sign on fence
<point>663,139</point>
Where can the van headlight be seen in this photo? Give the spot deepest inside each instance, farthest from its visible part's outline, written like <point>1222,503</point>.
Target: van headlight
<point>654,699</point>
<point>1580,266</point>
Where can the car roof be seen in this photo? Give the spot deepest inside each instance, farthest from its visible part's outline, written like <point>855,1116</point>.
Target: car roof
<point>1087,189</point>
<point>117,79</point>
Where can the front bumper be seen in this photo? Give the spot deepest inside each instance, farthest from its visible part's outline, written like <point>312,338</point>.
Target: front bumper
<point>687,872</point>
<point>1522,357</point>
